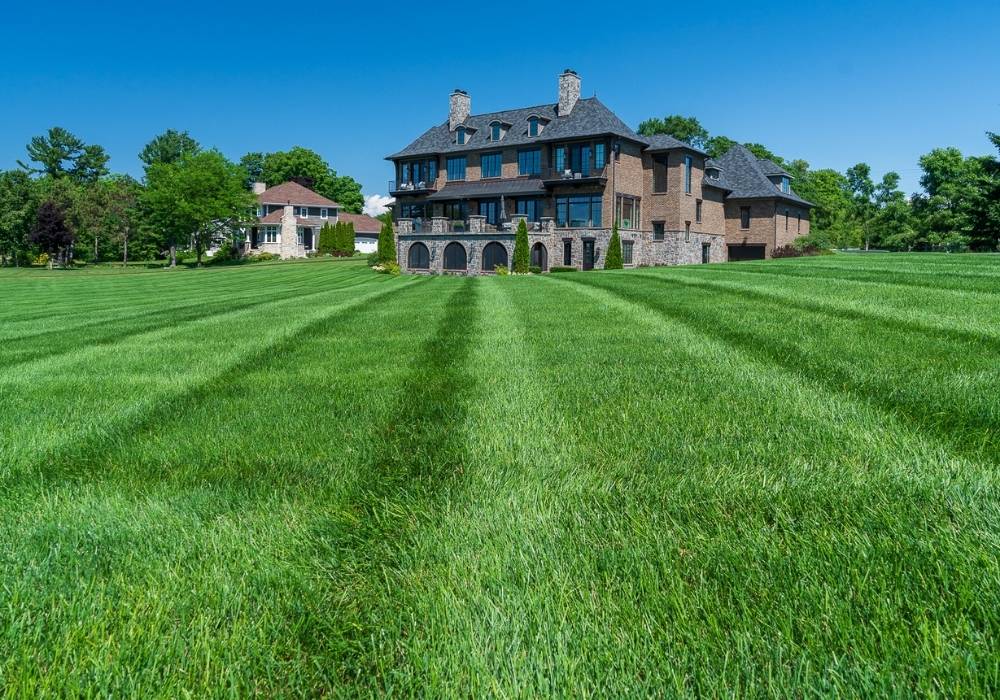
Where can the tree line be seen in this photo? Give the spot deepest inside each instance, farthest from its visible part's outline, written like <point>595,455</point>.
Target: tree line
<point>63,203</point>
<point>958,207</point>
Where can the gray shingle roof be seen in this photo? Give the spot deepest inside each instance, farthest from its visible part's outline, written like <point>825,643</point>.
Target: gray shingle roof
<point>746,177</point>
<point>771,168</point>
<point>663,142</point>
<point>589,117</point>
<point>489,188</point>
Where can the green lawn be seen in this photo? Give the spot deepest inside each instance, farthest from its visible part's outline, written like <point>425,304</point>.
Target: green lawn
<point>756,478</point>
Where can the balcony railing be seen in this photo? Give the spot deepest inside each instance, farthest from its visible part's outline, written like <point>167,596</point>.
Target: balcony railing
<point>417,187</point>
<point>568,176</point>
<point>464,226</point>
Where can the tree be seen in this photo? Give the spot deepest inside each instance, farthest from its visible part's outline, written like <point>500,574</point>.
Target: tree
<point>613,258</point>
<point>687,129</point>
<point>946,212</point>
<point>763,152</point>
<point>16,209</point>
<point>344,239</point>
<point>308,168</point>
<point>121,210</point>
<point>51,233</point>
<point>327,240</point>
<point>60,154</point>
<point>718,145</point>
<point>199,198</point>
<point>386,240</point>
<point>253,167</point>
<point>169,147</point>
<point>522,256</point>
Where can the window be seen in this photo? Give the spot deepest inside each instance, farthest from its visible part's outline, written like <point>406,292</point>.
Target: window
<point>600,156</point>
<point>323,214</point>
<point>786,219</point>
<point>659,173</point>
<point>531,208</point>
<point>687,231</point>
<point>579,212</point>
<point>490,163</point>
<point>786,184</point>
<point>270,234</point>
<point>567,251</point>
<point>423,171</point>
<point>713,173</point>
<point>697,211</point>
<point>460,136</point>
<point>800,224</point>
<point>456,168</point>
<point>657,230</point>
<point>529,162</point>
<point>419,257</point>
<point>455,211</point>
<point>688,160</point>
<point>579,158</point>
<point>261,212</point>
<point>628,211</point>
<point>496,131</point>
<point>412,211</point>
<point>627,252</point>
<point>304,212</point>
<point>744,217</point>
<point>559,157</point>
<point>533,126</point>
<point>490,208</point>
<point>494,254</point>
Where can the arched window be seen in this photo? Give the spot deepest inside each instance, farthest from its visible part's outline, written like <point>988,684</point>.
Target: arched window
<point>454,256</point>
<point>495,131</point>
<point>494,254</point>
<point>533,126</point>
<point>460,135</point>
<point>419,257</point>
<point>540,257</point>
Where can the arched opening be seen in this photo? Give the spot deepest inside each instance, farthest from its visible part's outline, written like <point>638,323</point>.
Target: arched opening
<point>419,257</point>
<point>494,254</point>
<point>454,256</point>
<point>539,257</point>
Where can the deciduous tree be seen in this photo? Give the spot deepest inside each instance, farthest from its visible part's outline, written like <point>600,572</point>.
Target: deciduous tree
<point>687,129</point>
<point>51,232</point>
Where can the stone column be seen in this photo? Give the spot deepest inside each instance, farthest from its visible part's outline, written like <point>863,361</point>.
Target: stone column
<point>516,220</point>
<point>289,247</point>
<point>548,224</point>
<point>439,224</point>
<point>404,226</point>
<point>477,223</point>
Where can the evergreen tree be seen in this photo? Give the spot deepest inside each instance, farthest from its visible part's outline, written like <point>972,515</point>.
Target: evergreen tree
<point>386,241</point>
<point>51,233</point>
<point>347,244</point>
<point>522,258</point>
<point>326,240</point>
<point>613,258</point>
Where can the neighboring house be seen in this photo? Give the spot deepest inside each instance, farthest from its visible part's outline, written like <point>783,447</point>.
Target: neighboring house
<point>366,230</point>
<point>570,169</point>
<point>289,219</point>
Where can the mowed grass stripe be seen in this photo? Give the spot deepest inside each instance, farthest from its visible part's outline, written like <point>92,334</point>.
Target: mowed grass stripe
<point>245,516</point>
<point>706,542</point>
<point>925,380</point>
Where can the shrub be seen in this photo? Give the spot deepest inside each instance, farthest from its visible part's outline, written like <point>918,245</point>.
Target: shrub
<point>613,258</point>
<point>326,240</point>
<point>374,259</point>
<point>41,259</point>
<point>793,251</point>
<point>522,257</point>
<point>387,268</point>
<point>534,269</point>
<point>262,257</point>
<point>501,270</point>
<point>386,242</point>
<point>561,268</point>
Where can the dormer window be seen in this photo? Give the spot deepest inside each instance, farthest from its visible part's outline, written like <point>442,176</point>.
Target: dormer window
<point>496,131</point>
<point>533,126</point>
<point>460,135</point>
<point>786,184</point>
<point>713,173</point>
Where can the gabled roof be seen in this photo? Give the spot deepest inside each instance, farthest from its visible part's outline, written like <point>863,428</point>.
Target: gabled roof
<point>273,218</point>
<point>746,178</point>
<point>663,142</point>
<point>363,223</point>
<point>295,194</point>
<point>589,117</point>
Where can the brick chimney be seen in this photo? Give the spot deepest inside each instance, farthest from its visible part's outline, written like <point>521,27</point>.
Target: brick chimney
<point>459,108</point>
<point>569,91</point>
<point>259,187</point>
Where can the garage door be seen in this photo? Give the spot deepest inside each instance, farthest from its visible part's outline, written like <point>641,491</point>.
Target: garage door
<point>746,252</point>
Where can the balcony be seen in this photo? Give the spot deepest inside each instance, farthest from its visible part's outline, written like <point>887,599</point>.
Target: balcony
<point>553,177</point>
<point>404,188</point>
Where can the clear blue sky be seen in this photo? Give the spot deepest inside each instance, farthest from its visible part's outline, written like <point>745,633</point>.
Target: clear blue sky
<point>833,83</point>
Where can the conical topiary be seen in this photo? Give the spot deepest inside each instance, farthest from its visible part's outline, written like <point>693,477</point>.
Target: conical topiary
<point>522,257</point>
<point>613,258</point>
<point>386,241</point>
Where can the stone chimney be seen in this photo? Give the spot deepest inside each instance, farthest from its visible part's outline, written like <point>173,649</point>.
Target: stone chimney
<point>569,91</point>
<point>259,187</point>
<point>459,108</point>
